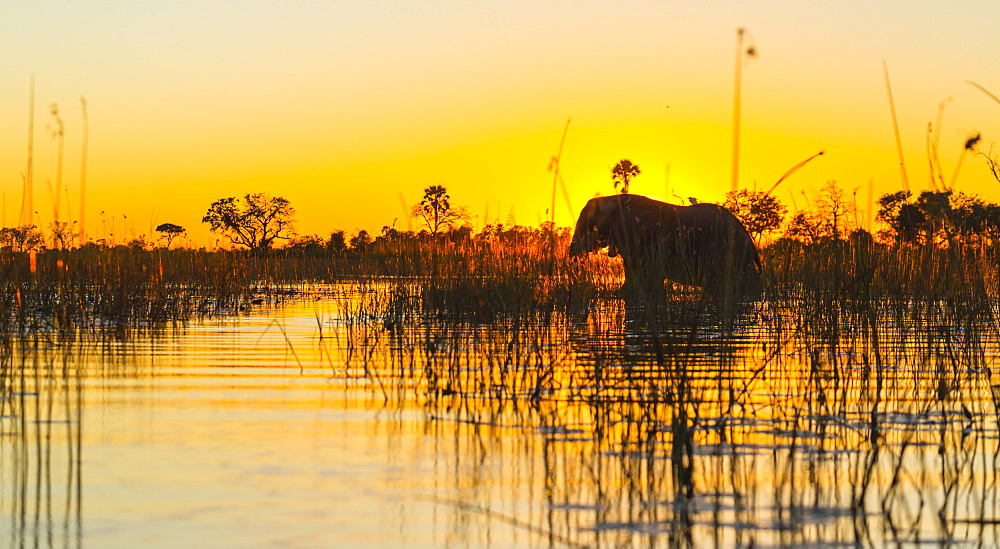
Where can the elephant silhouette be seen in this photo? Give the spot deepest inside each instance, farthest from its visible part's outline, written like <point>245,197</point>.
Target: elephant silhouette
<point>701,245</point>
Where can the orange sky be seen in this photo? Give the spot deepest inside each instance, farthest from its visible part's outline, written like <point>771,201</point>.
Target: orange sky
<point>344,107</point>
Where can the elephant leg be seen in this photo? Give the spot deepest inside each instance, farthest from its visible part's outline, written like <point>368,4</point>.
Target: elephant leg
<point>643,279</point>
<point>751,280</point>
<point>741,278</point>
<point>738,282</point>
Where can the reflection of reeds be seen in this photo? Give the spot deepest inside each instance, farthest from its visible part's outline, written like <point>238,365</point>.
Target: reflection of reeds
<point>40,472</point>
<point>815,420</point>
<point>855,405</point>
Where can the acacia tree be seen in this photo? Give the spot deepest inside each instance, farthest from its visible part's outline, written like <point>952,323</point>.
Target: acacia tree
<point>758,211</point>
<point>829,220</point>
<point>623,172</point>
<point>809,227</point>
<point>169,232</point>
<point>62,234</point>
<point>834,210</point>
<point>891,206</point>
<point>255,221</point>
<point>436,209</point>
<point>938,216</point>
<point>21,239</point>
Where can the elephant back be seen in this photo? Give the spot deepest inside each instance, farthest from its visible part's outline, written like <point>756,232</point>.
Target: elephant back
<point>709,246</point>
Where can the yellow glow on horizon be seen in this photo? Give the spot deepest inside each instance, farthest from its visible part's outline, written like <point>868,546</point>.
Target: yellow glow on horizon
<point>344,108</point>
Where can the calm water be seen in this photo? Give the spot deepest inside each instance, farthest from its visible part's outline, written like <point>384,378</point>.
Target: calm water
<point>356,419</point>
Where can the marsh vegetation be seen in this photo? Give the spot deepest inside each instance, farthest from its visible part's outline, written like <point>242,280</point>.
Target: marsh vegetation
<point>854,403</point>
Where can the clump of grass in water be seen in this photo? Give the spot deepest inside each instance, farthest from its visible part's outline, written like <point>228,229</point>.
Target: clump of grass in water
<point>863,355</point>
<point>124,289</point>
<point>859,359</point>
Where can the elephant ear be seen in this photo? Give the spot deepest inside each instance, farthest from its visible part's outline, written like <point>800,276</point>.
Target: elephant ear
<point>610,210</point>
<point>606,212</point>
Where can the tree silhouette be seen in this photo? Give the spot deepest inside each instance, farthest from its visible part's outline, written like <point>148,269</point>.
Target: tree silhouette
<point>169,231</point>
<point>337,243</point>
<point>758,211</point>
<point>436,209</point>
<point>256,221</point>
<point>361,241</point>
<point>938,217</point>
<point>62,234</point>
<point>21,239</point>
<point>809,227</point>
<point>623,172</point>
<point>310,245</point>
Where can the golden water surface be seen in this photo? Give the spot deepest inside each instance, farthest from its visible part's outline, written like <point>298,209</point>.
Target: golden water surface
<point>336,420</point>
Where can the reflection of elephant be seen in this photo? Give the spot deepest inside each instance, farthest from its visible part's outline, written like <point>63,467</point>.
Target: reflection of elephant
<point>702,245</point>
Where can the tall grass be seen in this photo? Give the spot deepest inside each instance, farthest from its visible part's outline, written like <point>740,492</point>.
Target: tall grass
<point>855,403</point>
<point>473,278</point>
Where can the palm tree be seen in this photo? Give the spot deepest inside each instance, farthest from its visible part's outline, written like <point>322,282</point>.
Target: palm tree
<point>623,172</point>
<point>436,209</point>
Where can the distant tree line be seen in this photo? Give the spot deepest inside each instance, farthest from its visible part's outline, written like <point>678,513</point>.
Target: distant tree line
<point>257,222</point>
<point>337,243</point>
<point>939,217</point>
<point>942,218</point>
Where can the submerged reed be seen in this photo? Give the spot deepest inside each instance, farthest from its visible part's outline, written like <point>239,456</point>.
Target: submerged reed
<point>854,403</point>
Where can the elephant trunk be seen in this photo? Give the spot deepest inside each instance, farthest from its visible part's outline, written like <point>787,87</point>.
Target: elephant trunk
<point>577,247</point>
<point>585,242</point>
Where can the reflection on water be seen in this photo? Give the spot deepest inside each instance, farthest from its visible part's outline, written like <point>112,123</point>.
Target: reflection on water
<point>40,446</point>
<point>366,417</point>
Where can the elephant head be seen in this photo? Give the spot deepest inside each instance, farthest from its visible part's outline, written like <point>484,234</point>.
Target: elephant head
<point>702,245</point>
<point>596,225</point>
<point>623,223</point>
